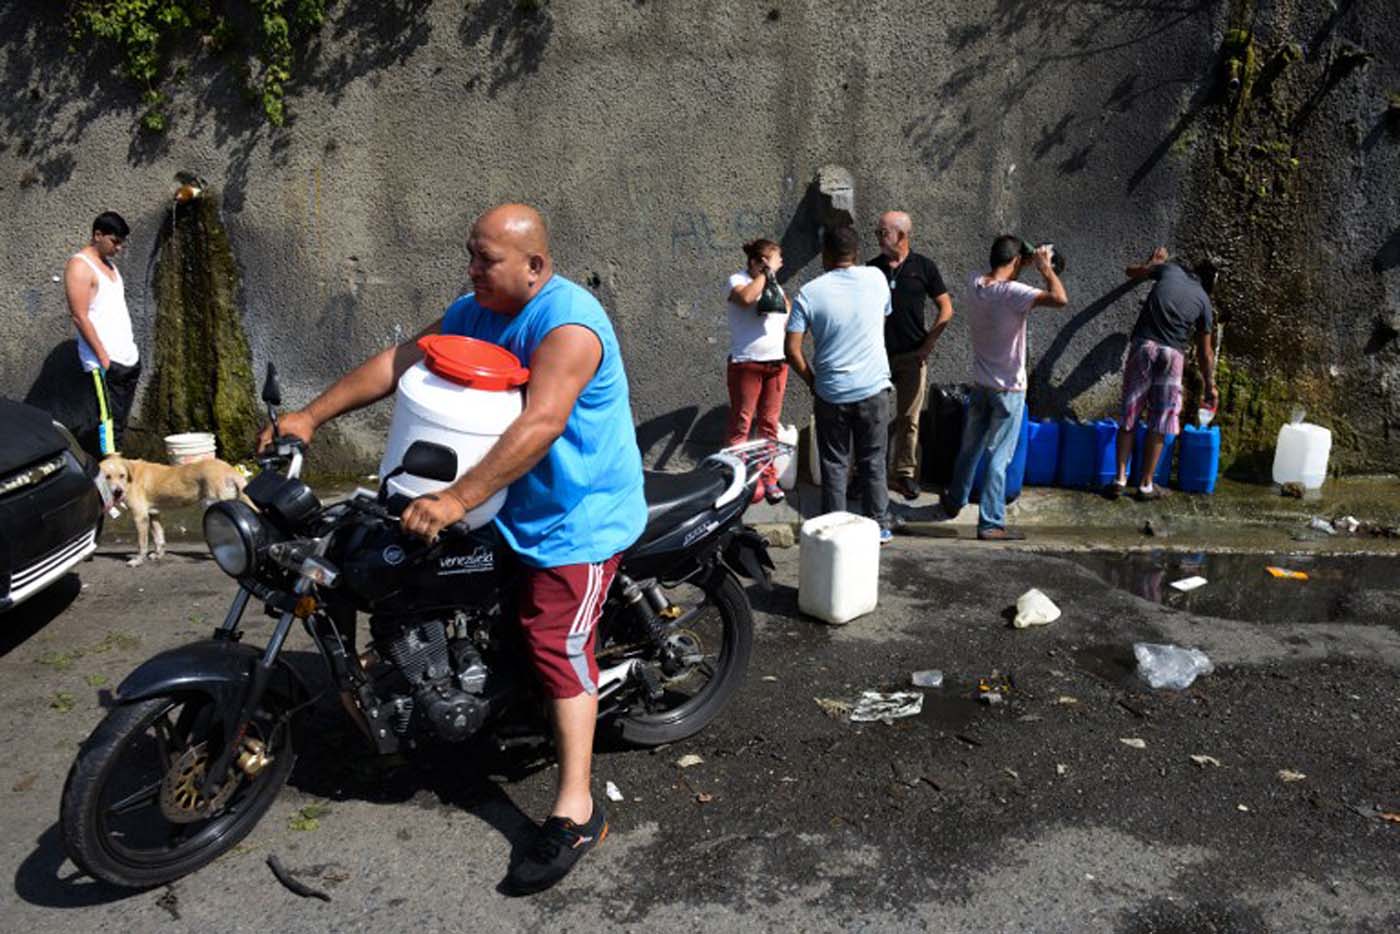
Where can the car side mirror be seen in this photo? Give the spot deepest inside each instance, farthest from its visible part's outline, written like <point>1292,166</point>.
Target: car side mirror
<point>271,392</point>
<point>430,461</point>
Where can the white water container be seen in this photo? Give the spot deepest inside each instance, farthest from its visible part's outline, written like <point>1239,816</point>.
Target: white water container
<point>190,446</point>
<point>1301,454</point>
<point>786,464</point>
<point>839,576</point>
<point>463,395</point>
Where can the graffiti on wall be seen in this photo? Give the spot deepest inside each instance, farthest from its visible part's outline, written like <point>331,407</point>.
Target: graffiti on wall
<point>701,233</point>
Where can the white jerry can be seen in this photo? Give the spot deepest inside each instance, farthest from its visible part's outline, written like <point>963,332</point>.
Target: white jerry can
<point>786,464</point>
<point>1301,454</point>
<point>839,574</point>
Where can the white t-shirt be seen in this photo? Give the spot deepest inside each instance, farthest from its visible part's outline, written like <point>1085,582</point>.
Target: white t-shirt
<point>996,315</point>
<point>110,319</point>
<point>752,336</point>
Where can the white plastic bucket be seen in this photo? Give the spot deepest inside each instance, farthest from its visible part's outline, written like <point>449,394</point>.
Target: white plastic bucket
<point>1301,454</point>
<point>190,446</point>
<point>429,407</point>
<point>839,572</point>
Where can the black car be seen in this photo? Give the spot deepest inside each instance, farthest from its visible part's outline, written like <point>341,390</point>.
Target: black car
<point>52,499</point>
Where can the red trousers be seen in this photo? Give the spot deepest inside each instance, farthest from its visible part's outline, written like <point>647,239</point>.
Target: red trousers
<point>755,393</point>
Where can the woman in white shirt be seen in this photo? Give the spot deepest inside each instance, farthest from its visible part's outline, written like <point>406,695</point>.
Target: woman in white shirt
<point>757,373</point>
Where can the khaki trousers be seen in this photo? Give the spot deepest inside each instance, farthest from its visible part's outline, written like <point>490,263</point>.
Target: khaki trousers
<point>910,377</point>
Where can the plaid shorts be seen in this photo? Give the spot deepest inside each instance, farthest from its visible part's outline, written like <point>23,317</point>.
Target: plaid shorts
<point>1152,387</point>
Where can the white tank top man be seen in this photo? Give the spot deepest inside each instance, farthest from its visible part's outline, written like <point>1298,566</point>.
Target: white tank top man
<point>107,348</point>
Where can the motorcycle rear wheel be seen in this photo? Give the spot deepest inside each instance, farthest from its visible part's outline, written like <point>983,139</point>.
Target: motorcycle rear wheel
<point>726,619</point>
<point>140,767</point>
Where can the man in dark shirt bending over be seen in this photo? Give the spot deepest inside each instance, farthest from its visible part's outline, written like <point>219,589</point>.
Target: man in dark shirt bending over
<point>1177,306</point>
<point>908,339</point>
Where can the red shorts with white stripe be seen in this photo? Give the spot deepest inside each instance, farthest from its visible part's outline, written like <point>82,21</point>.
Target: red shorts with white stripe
<point>559,608</point>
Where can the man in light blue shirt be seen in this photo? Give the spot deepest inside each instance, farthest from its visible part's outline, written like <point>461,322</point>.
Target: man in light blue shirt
<point>849,374</point>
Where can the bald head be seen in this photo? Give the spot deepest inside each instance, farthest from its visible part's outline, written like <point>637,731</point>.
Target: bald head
<point>897,220</point>
<point>519,225</point>
<point>893,232</point>
<point>510,262</point>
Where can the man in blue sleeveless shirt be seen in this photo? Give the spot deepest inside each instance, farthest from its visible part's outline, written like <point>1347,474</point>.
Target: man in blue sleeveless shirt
<point>574,478</point>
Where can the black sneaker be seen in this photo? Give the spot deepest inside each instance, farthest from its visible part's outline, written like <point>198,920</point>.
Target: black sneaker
<point>945,506</point>
<point>557,847</point>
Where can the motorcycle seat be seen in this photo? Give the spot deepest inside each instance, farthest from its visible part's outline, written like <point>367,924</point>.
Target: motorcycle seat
<point>674,497</point>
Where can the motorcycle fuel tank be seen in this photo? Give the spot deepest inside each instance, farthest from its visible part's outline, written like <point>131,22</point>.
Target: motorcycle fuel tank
<point>391,572</point>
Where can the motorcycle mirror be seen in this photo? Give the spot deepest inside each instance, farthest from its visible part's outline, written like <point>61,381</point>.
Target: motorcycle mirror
<point>430,461</point>
<point>271,392</point>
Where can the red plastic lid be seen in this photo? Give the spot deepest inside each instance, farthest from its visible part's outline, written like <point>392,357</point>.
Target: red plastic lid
<point>470,362</point>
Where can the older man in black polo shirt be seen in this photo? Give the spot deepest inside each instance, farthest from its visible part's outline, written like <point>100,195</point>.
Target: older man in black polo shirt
<point>908,339</point>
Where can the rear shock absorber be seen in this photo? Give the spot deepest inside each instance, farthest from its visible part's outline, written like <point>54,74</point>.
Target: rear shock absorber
<point>649,606</point>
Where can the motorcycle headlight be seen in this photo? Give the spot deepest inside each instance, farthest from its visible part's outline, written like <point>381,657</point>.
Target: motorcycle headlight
<point>235,535</point>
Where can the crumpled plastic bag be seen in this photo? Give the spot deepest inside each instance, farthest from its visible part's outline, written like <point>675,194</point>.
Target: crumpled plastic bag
<point>1170,666</point>
<point>873,705</point>
<point>1033,608</point>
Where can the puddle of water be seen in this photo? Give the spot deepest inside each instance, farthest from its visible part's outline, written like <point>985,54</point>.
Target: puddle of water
<point>1114,664</point>
<point>950,708</point>
<point>1362,589</point>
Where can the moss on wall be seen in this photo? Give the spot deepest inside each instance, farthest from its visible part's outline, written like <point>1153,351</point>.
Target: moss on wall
<point>1258,203</point>
<point>203,378</point>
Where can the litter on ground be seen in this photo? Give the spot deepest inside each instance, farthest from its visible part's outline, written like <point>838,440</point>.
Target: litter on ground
<point>932,678</point>
<point>688,760</point>
<point>1286,574</point>
<point>873,705</point>
<point>1170,666</point>
<point>1033,608</point>
<point>1187,584</point>
<point>1322,525</point>
<point>613,792</point>
<point>833,708</point>
<point>1133,741</point>
<point>1204,760</point>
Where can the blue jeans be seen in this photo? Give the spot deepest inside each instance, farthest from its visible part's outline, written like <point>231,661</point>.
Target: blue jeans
<point>993,424</point>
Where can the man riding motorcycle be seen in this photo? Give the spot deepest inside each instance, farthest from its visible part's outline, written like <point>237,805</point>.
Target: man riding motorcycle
<point>574,476</point>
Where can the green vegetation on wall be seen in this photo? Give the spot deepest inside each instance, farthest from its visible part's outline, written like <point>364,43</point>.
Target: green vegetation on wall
<point>203,374</point>
<point>1255,208</point>
<point>256,36</point>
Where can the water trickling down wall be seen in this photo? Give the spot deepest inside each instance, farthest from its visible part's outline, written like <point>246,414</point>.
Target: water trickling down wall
<point>202,376</point>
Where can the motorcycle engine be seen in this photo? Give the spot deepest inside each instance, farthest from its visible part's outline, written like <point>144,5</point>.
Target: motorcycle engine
<point>445,677</point>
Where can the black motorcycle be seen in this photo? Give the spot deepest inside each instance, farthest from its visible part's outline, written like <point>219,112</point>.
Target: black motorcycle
<point>202,738</point>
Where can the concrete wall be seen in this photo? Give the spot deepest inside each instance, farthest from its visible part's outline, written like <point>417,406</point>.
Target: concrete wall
<point>656,137</point>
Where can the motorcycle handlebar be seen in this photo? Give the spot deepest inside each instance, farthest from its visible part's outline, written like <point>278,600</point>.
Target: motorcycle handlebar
<point>391,511</point>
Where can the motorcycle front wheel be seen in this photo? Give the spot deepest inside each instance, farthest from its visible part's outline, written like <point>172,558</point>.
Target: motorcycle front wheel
<point>709,648</point>
<point>132,814</point>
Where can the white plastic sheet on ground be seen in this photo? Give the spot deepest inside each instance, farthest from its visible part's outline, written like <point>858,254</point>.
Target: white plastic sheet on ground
<point>873,705</point>
<point>1170,666</point>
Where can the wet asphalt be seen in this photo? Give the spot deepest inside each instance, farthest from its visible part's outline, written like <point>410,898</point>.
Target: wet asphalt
<point>1030,815</point>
